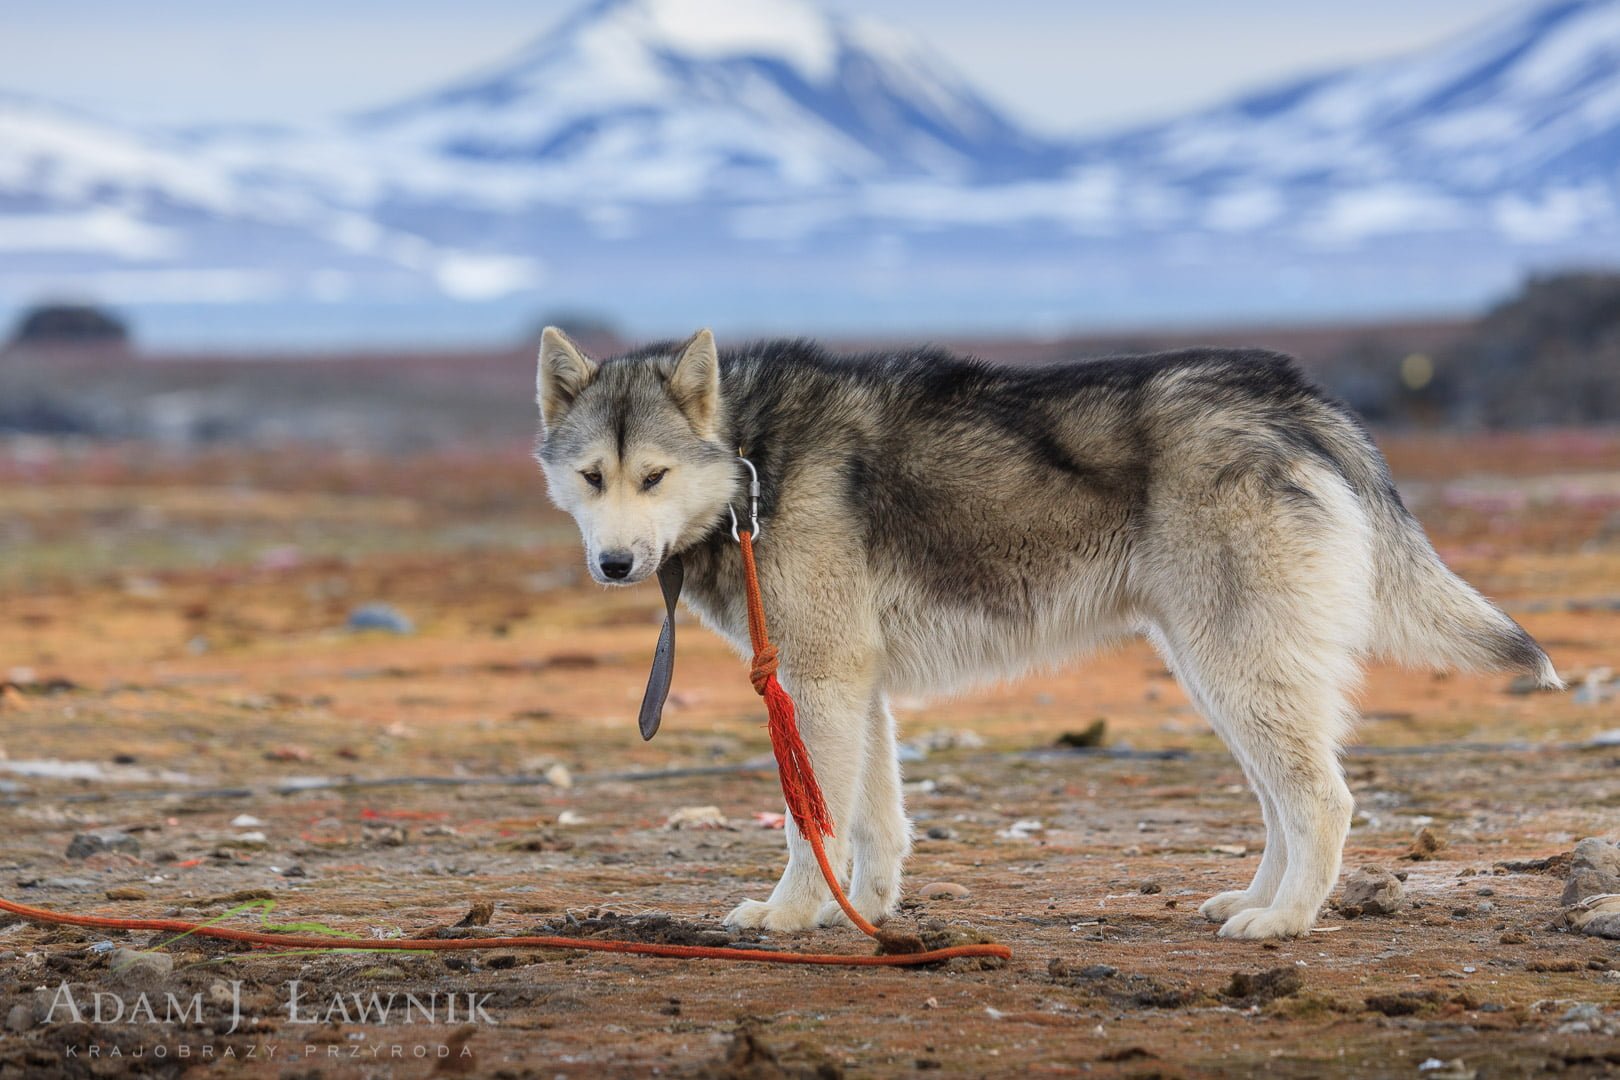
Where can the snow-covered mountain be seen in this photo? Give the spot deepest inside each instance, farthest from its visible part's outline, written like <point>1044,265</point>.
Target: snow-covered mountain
<point>1512,128</point>
<point>761,163</point>
<point>674,100</point>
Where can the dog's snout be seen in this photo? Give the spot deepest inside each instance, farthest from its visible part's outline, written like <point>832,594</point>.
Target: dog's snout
<point>616,564</point>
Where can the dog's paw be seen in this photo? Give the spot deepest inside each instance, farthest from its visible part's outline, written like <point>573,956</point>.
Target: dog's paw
<point>1223,906</point>
<point>1267,922</point>
<point>767,915</point>
<point>873,910</point>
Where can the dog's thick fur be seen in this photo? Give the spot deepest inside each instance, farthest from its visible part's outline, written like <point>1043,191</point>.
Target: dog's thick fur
<point>933,522</point>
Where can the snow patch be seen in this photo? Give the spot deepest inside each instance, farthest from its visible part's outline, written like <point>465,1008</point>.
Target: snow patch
<point>720,29</point>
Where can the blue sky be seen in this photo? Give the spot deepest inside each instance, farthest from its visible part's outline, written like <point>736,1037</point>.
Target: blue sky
<point>1060,66</point>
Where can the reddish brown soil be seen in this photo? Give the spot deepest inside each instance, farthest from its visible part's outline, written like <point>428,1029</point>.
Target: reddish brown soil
<point>177,623</point>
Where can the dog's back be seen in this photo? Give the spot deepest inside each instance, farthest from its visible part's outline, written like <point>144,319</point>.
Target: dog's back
<point>1010,514</point>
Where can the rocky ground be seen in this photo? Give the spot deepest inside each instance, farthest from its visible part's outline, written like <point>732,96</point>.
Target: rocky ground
<point>191,727</point>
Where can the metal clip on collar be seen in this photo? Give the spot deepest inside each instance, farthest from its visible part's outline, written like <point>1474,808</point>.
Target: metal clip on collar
<point>753,503</point>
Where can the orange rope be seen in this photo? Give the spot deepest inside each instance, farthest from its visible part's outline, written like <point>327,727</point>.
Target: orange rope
<point>804,802</point>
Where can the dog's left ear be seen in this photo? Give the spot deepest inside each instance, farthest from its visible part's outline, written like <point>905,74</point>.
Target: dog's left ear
<point>695,383</point>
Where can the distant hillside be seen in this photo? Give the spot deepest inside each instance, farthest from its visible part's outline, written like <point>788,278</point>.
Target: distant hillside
<point>1550,355</point>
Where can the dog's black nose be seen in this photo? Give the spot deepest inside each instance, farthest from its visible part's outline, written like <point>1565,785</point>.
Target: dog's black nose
<point>616,564</point>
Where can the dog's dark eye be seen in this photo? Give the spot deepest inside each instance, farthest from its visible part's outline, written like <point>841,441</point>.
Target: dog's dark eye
<point>652,478</point>
<point>593,478</point>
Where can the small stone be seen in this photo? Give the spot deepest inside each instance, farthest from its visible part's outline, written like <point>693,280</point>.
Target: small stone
<point>130,963</point>
<point>948,890</point>
<point>1148,888</point>
<point>20,1018</point>
<point>383,617</point>
<point>245,821</point>
<point>1092,735</point>
<point>383,834</point>
<point>940,832</point>
<point>86,844</point>
<point>1596,916</point>
<point>1374,890</point>
<point>1098,971</point>
<point>1594,871</point>
<point>558,776</point>
<point>694,817</point>
<point>1581,1019</point>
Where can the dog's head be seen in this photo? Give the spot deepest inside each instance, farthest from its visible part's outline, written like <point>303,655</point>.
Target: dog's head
<point>632,450</point>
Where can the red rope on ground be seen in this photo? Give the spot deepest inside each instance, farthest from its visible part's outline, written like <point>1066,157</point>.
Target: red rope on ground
<point>804,802</point>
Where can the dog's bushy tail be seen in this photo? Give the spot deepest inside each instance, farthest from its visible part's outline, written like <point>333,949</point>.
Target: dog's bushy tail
<point>1427,616</point>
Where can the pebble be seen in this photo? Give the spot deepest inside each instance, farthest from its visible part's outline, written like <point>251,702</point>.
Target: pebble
<point>1595,871</point>
<point>86,844</point>
<point>693,817</point>
<point>130,962</point>
<point>1374,890</point>
<point>1021,830</point>
<point>383,834</point>
<point>380,617</point>
<point>940,832</point>
<point>20,1018</point>
<point>943,889</point>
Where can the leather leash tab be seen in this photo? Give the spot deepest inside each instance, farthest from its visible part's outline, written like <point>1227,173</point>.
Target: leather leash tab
<point>670,577</point>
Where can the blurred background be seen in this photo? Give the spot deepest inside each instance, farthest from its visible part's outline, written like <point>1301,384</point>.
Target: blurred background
<point>1421,199</point>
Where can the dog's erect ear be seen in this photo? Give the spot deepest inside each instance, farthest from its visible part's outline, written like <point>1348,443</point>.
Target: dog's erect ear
<point>695,383</point>
<point>564,373</point>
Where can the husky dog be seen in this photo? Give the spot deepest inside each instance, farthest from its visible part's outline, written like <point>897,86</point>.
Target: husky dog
<point>932,522</point>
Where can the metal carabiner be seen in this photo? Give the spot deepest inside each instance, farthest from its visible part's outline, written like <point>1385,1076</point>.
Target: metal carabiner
<point>753,503</point>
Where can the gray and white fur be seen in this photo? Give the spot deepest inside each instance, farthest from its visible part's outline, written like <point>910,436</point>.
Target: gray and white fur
<point>934,522</point>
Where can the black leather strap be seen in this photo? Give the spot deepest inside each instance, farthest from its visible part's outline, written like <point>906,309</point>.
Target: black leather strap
<point>670,576</point>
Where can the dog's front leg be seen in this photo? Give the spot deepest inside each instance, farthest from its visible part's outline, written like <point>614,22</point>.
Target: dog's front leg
<point>832,713</point>
<point>879,832</point>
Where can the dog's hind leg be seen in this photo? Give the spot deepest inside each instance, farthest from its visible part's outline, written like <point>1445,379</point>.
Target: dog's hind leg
<point>878,830</point>
<point>1262,596</point>
<point>1268,876</point>
<point>1274,860</point>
